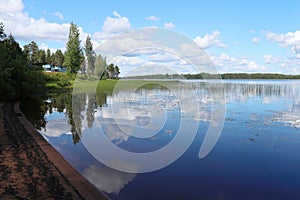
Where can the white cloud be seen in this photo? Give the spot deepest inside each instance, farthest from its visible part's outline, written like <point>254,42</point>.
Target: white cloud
<point>116,24</point>
<point>283,65</point>
<point>226,63</point>
<point>153,18</point>
<point>24,27</point>
<point>116,14</point>
<point>269,59</point>
<point>56,127</point>
<point>112,26</point>
<point>255,40</point>
<point>107,179</point>
<point>291,117</point>
<point>162,57</point>
<point>11,6</point>
<point>129,61</point>
<point>290,39</point>
<point>58,15</point>
<point>126,43</point>
<point>169,25</point>
<point>44,46</point>
<point>139,48</point>
<point>210,40</point>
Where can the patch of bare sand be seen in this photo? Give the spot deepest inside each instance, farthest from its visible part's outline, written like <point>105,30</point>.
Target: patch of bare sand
<point>30,168</point>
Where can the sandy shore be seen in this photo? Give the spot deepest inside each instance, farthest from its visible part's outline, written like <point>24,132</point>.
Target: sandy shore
<point>30,168</point>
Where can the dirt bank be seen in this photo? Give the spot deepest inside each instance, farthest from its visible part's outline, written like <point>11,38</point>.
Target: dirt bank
<point>30,168</point>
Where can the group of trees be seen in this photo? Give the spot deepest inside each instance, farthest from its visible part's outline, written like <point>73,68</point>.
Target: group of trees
<point>240,76</point>
<point>75,58</point>
<point>217,76</point>
<point>36,56</point>
<point>85,59</point>
<point>21,75</point>
<point>17,79</point>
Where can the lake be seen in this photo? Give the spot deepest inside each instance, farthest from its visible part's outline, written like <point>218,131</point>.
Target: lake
<point>252,151</point>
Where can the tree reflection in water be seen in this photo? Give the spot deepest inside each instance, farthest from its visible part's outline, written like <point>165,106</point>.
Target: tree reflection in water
<point>88,104</point>
<point>62,103</point>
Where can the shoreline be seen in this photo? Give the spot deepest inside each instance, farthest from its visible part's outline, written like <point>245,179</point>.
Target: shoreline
<point>31,168</point>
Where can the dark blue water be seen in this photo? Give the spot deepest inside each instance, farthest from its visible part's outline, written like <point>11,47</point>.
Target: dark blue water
<point>256,156</point>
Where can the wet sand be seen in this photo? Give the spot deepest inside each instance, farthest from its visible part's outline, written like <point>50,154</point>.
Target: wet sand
<point>30,168</point>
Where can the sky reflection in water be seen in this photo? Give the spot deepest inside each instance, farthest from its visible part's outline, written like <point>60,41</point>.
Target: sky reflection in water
<point>256,157</point>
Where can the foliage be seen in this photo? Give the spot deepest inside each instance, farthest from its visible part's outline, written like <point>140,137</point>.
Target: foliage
<point>2,32</point>
<point>258,76</point>
<point>90,56</point>
<point>113,71</point>
<point>100,67</point>
<point>58,81</point>
<point>217,76</point>
<point>48,56</point>
<point>31,51</point>
<point>116,72</point>
<point>110,70</point>
<point>58,58</point>
<point>41,56</point>
<point>17,80</point>
<point>73,55</point>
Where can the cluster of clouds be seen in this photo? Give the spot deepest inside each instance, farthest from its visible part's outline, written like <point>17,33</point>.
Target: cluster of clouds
<point>210,40</point>
<point>18,22</point>
<point>167,25</point>
<point>23,27</point>
<point>226,64</point>
<point>290,41</point>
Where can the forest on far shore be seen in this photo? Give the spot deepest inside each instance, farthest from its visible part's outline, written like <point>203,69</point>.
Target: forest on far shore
<point>22,76</point>
<point>217,76</point>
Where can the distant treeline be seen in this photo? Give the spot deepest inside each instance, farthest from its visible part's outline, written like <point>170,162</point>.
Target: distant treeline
<point>216,76</point>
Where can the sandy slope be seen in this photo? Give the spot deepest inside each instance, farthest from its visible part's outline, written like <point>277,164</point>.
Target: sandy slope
<point>30,168</point>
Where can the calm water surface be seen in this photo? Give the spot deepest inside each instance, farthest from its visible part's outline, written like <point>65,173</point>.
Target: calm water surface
<point>256,156</point>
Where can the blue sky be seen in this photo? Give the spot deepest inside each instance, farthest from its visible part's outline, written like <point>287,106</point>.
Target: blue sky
<point>239,36</point>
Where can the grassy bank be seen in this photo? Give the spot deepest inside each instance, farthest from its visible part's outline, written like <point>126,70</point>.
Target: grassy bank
<point>108,86</point>
<point>56,81</point>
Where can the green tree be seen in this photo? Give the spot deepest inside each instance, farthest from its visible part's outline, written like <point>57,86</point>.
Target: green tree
<point>31,51</point>
<point>100,67</point>
<point>90,56</point>
<point>17,80</point>
<point>2,32</point>
<point>83,67</point>
<point>58,58</point>
<point>52,59</point>
<point>90,110</point>
<point>110,70</point>
<point>73,55</point>
<point>116,72</point>
<point>41,56</point>
<point>48,56</point>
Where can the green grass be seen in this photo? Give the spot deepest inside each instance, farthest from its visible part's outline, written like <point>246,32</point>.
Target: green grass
<point>62,81</point>
<point>84,85</point>
<point>59,81</point>
<point>108,86</point>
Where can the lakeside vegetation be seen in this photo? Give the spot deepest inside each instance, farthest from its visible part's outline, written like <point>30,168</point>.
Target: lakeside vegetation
<point>23,78</point>
<point>217,76</point>
<point>18,80</point>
